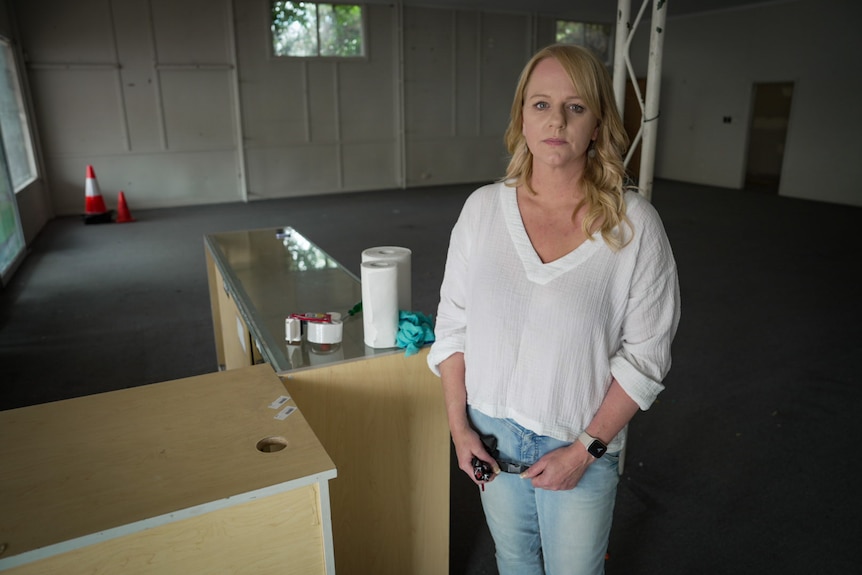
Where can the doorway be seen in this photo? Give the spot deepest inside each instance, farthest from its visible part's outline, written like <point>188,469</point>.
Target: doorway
<point>767,135</point>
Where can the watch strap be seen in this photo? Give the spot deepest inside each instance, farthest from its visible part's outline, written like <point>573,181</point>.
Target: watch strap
<point>595,447</point>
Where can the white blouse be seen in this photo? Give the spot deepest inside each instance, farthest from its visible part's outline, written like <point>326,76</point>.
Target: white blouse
<point>542,341</point>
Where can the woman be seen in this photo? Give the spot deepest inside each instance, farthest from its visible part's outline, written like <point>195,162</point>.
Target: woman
<point>557,311</point>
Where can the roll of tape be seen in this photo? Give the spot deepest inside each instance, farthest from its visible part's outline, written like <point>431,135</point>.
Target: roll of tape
<point>292,330</point>
<point>324,332</point>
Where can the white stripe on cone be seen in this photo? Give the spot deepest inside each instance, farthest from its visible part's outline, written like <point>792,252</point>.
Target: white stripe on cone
<point>94,203</point>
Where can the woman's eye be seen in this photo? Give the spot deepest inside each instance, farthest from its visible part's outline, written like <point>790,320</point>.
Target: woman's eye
<point>541,105</point>
<point>577,108</point>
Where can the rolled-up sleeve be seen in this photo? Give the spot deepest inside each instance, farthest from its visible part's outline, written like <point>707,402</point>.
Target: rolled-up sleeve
<point>450,326</point>
<point>651,320</point>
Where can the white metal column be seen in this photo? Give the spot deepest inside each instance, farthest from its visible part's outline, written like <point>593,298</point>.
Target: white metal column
<point>650,103</point>
<point>649,109</point>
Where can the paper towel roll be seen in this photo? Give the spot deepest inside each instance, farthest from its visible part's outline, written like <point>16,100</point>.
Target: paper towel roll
<point>379,303</point>
<point>401,256</point>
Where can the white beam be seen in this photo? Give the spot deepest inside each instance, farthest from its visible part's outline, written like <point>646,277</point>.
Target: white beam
<point>653,91</point>
<point>649,103</point>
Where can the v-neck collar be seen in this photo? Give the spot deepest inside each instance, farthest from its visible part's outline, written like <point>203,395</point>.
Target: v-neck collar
<point>536,270</point>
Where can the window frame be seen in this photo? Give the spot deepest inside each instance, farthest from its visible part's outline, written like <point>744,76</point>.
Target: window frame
<point>609,60</point>
<point>318,57</point>
<point>22,120</point>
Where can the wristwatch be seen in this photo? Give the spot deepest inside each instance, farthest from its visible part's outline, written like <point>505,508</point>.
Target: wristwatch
<point>594,446</point>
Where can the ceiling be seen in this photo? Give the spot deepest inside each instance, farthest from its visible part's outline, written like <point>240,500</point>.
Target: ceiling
<point>591,9</point>
<point>686,7</point>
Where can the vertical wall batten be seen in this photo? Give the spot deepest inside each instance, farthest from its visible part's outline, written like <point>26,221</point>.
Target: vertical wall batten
<point>157,84</point>
<point>454,74</point>
<point>306,101</point>
<point>339,143</point>
<point>479,44</point>
<point>237,101</point>
<point>532,33</point>
<point>124,116</point>
<point>401,148</point>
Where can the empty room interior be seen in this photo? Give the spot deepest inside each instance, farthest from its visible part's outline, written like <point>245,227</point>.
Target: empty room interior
<point>187,181</point>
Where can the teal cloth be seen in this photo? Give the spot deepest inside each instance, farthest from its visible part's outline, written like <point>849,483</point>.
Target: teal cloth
<point>414,330</point>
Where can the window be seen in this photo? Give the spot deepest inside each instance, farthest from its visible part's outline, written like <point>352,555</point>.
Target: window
<point>596,37</point>
<point>309,29</point>
<point>13,122</point>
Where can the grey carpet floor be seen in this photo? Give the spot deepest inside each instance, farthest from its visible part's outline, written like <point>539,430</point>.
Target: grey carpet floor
<point>746,464</point>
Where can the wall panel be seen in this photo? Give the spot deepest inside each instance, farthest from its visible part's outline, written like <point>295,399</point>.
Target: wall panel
<point>274,108</point>
<point>452,161</point>
<point>467,76</point>
<point>197,109</point>
<point>191,31</point>
<point>323,112</point>
<point>64,31</point>
<point>139,80</point>
<point>301,117</point>
<point>366,97</point>
<point>504,51</point>
<point>370,165</point>
<point>153,180</point>
<point>82,109</point>
<point>292,171</point>
<point>461,71</point>
<point>123,85</point>
<point>428,79</point>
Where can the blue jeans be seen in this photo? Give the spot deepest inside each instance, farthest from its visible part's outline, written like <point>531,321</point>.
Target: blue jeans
<point>540,532</point>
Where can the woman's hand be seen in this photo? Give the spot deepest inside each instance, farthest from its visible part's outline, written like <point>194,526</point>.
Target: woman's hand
<point>560,469</point>
<point>466,440</point>
<point>468,444</point>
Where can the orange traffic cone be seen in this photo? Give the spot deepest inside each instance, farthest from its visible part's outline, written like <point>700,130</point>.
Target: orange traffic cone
<point>123,214</point>
<point>95,210</point>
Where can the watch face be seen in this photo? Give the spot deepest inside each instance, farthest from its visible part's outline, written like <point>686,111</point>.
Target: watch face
<point>597,449</point>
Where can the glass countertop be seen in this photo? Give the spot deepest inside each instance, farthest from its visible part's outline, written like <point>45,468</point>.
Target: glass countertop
<point>274,272</point>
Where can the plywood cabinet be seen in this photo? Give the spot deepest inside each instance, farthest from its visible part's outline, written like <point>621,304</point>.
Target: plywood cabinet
<point>235,345</point>
<point>383,422</point>
<point>190,476</point>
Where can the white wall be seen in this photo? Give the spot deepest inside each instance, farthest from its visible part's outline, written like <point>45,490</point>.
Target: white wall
<point>710,64</point>
<point>178,102</point>
<point>318,126</point>
<point>140,90</point>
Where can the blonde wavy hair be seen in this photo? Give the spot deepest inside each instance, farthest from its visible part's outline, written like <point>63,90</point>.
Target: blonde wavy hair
<point>604,178</point>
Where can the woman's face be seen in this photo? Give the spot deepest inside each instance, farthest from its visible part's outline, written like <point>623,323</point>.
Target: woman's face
<point>557,125</point>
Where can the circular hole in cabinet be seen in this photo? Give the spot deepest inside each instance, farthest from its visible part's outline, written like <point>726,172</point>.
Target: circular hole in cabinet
<point>271,444</point>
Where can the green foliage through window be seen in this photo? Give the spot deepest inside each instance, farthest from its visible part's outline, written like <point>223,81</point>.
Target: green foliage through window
<point>309,29</point>
<point>596,37</point>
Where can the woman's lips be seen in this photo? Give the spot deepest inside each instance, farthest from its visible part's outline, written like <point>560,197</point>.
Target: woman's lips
<point>555,142</point>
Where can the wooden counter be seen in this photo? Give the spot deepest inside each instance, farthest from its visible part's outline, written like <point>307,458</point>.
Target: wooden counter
<point>379,414</point>
<point>165,478</point>
<point>384,424</point>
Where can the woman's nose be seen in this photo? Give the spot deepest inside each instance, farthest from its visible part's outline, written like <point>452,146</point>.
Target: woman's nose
<point>558,118</point>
